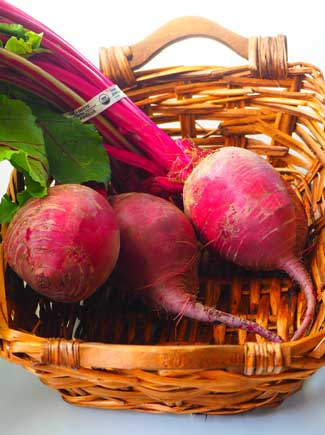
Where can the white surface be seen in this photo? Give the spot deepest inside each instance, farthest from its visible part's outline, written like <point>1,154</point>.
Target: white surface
<point>28,407</point>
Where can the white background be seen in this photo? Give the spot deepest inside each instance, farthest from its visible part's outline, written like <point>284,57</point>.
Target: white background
<point>26,406</point>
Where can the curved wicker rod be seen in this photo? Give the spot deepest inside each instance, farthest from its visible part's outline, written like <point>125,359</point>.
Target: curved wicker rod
<point>216,380</point>
<point>315,81</point>
<point>207,74</point>
<point>318,272</point>
<point>312,69</point>
<point>310,141</point>
<point>302,182</point>
<point>291,110</point>
<point>246,95</point>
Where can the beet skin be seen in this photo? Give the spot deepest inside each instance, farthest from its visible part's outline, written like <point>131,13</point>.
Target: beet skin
<point>158,260</point>
<point>243,209</point>
<point>64,245</point>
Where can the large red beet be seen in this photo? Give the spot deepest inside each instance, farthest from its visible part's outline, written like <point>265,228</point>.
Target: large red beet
<point>64,245</point>
<point>242,207</point>
<point>158,260</point>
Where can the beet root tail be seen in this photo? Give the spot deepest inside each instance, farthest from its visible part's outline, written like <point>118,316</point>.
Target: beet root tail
<point>176,300</point>
<point>298,272</point>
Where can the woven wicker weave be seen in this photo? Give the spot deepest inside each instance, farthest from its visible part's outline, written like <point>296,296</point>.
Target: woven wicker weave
<point>114,354</point>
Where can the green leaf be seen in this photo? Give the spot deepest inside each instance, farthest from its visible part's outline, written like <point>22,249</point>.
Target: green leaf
<point>19,46</point>
<point>22,143</point>
<point>22,41</point>
<point>13,30</point>
<point>34,39</point>
<point>75,151</point>
<point>17,93</point>
<point>23,197</point>
<point>7,209</point>
<point>22,47</point>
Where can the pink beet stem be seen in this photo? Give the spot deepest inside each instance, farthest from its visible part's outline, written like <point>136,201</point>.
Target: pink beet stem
<point>123,120</point>
<point>50,40</point>
<point>132,159</point>
<point>297,272</point>
<point>127,117</point>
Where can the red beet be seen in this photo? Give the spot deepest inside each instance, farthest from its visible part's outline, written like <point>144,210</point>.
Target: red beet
<point>241,206</point>
<point>64,245</point>
<point>158,260</point>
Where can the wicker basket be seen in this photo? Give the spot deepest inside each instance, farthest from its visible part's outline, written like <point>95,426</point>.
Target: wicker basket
<point>114,354</point>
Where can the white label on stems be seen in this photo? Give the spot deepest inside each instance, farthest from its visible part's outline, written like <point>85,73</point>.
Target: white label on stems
<point>97,104</point>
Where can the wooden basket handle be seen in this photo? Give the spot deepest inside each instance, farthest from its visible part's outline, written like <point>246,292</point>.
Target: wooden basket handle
<point>184,28</point>
<point>267,56</point>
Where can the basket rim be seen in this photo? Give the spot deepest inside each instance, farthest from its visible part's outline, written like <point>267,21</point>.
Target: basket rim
<point>77,354</point>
